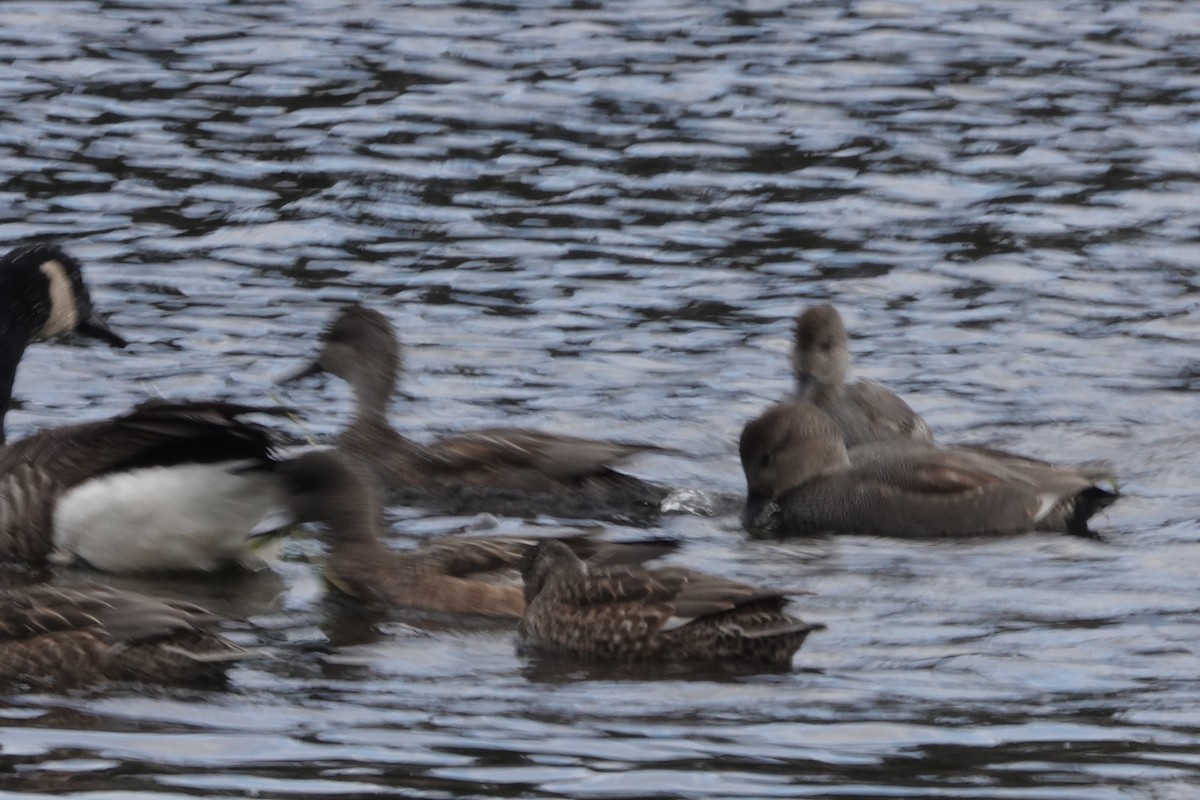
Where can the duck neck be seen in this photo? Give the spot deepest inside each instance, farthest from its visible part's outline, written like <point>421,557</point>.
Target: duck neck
<point>816,392</point>
<point>374,385</point>
<point>354,529</point>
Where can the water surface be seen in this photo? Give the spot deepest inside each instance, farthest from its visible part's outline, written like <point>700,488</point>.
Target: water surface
<point>600,218</point>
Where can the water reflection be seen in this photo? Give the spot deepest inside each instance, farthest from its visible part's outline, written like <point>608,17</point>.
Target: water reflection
<point>600,218</point>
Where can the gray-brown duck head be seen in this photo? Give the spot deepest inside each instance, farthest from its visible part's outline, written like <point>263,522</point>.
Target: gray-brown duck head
<point>820,351</point>
<point>788,445</point>
<point>360,347</point>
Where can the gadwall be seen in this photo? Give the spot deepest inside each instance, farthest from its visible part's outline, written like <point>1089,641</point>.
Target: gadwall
<point>454,574</point>
<point>629,613</point>
<point>72,635</point>
<point>42,294</point>
<point>800,480</point>
<point>866,411</point>
<point>505,470</point>
<point>167,486</point>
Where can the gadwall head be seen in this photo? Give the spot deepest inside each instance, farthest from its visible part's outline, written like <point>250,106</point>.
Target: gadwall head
<point>787,445</point>
<point>821,350</point>
<point>360,347</point>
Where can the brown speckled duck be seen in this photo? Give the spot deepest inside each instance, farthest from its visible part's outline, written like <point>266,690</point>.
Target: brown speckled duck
<point>801,480</point>
<point>505,470</point>
<point>56,636</point>
<point>669,615</point>
<point>867,412</point>
<point>454,574</point>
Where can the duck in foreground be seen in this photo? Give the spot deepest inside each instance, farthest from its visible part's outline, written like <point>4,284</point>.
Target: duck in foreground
<point>167,486</point>
<point>75,635</point>
<point>628,613</point>
<point>455,574</point>
<point>867,412</point>
<point>801,480</point>
<point>42,294</point>
<point>505,470</point>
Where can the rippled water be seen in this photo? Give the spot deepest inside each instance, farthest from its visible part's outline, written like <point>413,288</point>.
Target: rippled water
<point>601,217</point>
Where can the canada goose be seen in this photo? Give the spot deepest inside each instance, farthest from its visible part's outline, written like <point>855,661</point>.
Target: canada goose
<point>801,480</point>
<point>866,411</point>
<point>167,486</point>
<point>72,635</point>
<point>506,470</point>
<point>453,574</point>
<point>42,294</point>
<point>631,613</point>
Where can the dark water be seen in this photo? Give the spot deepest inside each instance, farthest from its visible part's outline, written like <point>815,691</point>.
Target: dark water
<point>600,217</point>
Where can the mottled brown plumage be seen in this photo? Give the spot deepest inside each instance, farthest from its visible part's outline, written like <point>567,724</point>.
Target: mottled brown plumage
<point>867,412</point>
<point>633,614</point>
<point>72,635</point>
<point>801,480</point>
<point>36,471</point>
<point>461,574</point>
<point>506,470</point>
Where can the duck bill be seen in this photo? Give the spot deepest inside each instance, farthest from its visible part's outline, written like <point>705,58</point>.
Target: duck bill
<point>758,513</point>
<point>94,326</point>
<point>309,370</point>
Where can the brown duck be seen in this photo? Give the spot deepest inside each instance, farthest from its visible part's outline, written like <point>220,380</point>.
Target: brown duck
<point>801,480</point>
<point>505,470</point>
<point>627,613</point>
<point>73,635</point>
<point>867,412</point>
<point>454,574</point>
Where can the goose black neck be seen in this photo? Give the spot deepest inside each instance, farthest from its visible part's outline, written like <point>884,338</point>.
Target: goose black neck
<point>24,309</point>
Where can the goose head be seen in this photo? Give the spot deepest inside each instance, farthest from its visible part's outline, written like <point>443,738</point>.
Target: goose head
<point>42,294</point>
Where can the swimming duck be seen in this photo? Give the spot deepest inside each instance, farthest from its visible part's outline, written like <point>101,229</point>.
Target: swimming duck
<point>74,635</point>
<point>167,486</point>
<point>629,613</point>
<point>866,411</point>
<point>505,470</point>
<point>801,480</point>
<point>42,294</point>
<point>454,574</point>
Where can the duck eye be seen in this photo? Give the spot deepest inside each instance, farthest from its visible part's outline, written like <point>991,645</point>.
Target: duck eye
<point>826,345</point>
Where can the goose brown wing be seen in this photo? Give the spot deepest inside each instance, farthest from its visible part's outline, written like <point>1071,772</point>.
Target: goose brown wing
<point>153,434</point>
